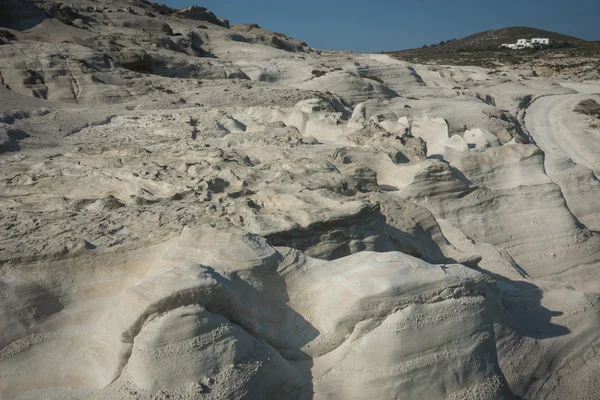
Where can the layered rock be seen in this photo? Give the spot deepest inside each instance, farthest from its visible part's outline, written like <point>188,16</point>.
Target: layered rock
<point>193,211</point>
<point>283,324</point>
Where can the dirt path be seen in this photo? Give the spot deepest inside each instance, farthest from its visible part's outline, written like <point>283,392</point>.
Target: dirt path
<point>572,150</point>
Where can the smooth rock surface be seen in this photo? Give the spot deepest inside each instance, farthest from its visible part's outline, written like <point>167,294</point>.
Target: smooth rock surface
<point>193,210</point>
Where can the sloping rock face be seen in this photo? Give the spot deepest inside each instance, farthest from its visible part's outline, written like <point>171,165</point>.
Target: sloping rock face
<point>284,325</point>
<point>189,210</point>
<point>201,14</point>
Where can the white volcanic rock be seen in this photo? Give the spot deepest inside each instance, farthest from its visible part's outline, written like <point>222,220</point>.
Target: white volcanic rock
<point>327,129</point>
<point>352,89</point>
<point>504,167</point>
<point>359,114</point>
<point>358,120</point>
<point>333,355</point>
<point>546,246</point>
<point>448,148</point>
<point>460,113</point>
<point>201,14</point>
<point>434,130</point>
<point>567,138</point>
<point>480,139</point>
<point>50,71</point>
<point>254,308</point>
<point>192,211</point>
<point>401,78</point>
<point>418,232</point>
<point>391,126</point>
<point>404,121</point>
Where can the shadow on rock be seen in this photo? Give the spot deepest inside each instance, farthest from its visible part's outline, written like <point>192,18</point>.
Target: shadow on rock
<point>337,237</point>
<point>9,141</point>
<point>21,15</point>
<point>241,314</point>
<point>23,308</point>
<point>523,302</point>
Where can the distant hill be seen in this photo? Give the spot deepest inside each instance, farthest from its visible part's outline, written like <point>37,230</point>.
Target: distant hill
<point>483,48</point>
<point>494,38</point>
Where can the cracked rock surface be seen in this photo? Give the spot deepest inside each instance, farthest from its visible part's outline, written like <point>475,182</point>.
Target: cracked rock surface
<point>193,209</point>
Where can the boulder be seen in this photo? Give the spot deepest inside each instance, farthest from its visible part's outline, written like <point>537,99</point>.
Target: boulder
<point>235,73</point>
<point>431,129</point>
<point>480,139</point>
<point>359,117</point>
<point>359,113</point>
<point>201,14</point>
<point>394,128</point>
<point>405,123</point>
<point>448,148</point>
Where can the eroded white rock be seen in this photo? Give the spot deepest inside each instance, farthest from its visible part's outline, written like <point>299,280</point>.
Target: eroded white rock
<point>480,139</point>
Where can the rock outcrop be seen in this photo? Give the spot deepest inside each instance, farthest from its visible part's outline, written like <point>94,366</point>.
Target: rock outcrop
<point>193,210</point>
<point>283,324</point>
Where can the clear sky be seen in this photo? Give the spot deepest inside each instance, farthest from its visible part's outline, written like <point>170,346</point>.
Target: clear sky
<point>374,25</point>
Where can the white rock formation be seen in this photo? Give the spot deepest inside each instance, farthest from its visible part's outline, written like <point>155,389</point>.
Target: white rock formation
<point>192,210</point>
<point>448,148</point>
<point>281,323</point>
<point>480,139</point>
<point>431,129</point>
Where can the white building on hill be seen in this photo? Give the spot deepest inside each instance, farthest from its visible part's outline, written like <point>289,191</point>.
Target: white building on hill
<point>545,41</point>
<point>526,43</point>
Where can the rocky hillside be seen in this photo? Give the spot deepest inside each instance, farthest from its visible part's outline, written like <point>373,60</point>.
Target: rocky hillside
<point>567,56</point>
<point>141,36</point>
<point>494,38</point>
<point>191,209</point>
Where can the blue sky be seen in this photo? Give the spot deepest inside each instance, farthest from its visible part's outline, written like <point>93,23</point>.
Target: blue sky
<point>375,25</point>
